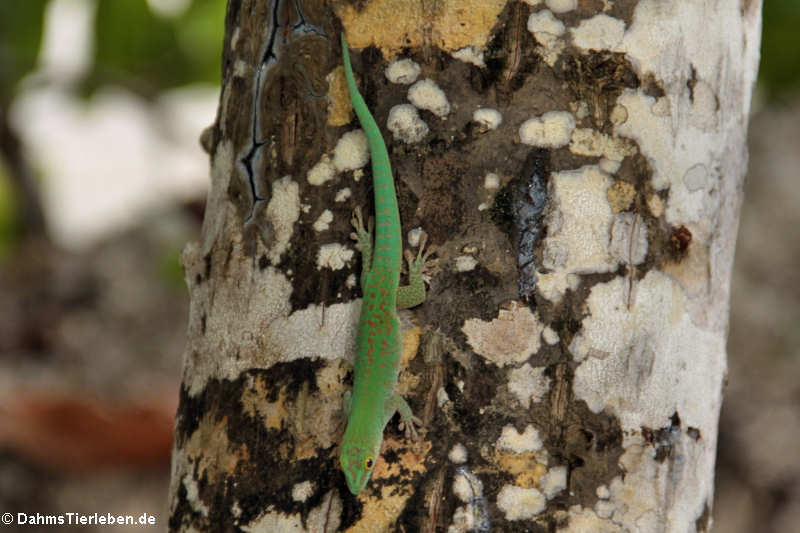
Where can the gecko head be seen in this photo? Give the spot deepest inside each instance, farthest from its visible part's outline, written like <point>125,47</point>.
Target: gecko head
<point>358,462</point>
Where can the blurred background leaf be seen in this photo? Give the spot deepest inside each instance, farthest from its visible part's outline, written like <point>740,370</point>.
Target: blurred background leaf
<point>148,52</point>
<point>779,72</point>
<point>20,37</point>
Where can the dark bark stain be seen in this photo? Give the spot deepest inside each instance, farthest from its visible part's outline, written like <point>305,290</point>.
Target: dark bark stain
<point>652,87</point>
<point>691,82</point>
<point>262,480</point>
<point>679,241</point>
<point>664,439</point>
<point>703,522</point>
<point>598,78</point>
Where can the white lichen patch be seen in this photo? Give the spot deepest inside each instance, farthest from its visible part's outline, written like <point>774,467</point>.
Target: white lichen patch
<point>528,384</point>
<point>442,397</point>
<point>328,514</point>
<point>465,263</point>
<point>561,6</point>
<point>414,236</point>
<point>487,117</point>
<point>645,363</point>
<point>458,454</point>
<point>514,441</point>
<point>403,71</point>
<point>491,181</point>
<point>592,143</point>
<point>334,256</point>
<point>193,495</point>
<point>463,520</point>
<point>619,114</point>
<point>518,503</point>
<point>552,130</point>
<point>628,239</point>
<point>283,210</point>
<point>323,222</point>
<point>631,497</point>
<point>549,335</point>
<point>509,339</point>
<point>301,491</point>
<point>608,166</point>
<point>583,520</point>
<point>545,22</point>
<point>322,172</point>
<point>547,30</point>
<point>554,481</point>
<point>350,282</point>
<point>600,32</point>
<point>425,94</point>
<point>405,124</point>
<point>474,515</point>
<point>578,227</point>
<point>462,488</point>
<point>552,286</point>
<point>671,159</point>
<point>604,508</point>
<point>470,54</point>
<point>351,151</point>
<point>545,27</point>
<point>343,195</point>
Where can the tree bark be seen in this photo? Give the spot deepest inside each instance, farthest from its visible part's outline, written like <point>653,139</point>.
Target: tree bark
<point>578,166</point>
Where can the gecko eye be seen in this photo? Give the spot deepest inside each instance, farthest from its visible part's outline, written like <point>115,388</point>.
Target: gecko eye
<point>368,463</point>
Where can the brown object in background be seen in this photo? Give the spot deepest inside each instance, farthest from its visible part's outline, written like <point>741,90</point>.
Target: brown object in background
<point>69,431</point>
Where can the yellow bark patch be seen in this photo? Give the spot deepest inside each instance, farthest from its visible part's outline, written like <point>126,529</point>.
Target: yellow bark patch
<point>410,454</point>
<point>524,466</point>
<point>620,195</point>
<point>273,414</point>
<point>340,110</point>
<point>410,345</point>
<point>210,448</point>
<point>393,24</point>
<point>381,511</point>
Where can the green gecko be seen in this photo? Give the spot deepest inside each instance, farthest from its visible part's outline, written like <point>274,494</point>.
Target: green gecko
<point>379,340</point>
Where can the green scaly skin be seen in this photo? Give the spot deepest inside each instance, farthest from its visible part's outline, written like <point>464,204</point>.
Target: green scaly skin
<point>379,340</point>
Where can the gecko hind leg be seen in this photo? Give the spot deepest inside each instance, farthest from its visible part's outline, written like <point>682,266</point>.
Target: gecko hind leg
<point>363,238</point>
<point>414,293</point>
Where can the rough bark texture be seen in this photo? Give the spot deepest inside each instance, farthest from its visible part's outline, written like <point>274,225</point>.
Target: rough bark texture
<point>569,361</point>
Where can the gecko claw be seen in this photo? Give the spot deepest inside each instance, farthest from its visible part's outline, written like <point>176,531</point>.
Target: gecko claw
<point>408,427</point>
<point>362,236</point>
<point>357,221</point>
<point>419,263</point>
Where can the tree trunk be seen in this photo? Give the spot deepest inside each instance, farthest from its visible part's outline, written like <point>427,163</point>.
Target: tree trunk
<point>578,166</point>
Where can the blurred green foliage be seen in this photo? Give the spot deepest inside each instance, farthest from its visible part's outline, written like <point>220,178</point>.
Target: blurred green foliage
<point>170,269</point>
<point>147,52</point>
<point>779,72</point>
<point>9,216</point>
<point>133,45</point>
<point>20,35</point>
